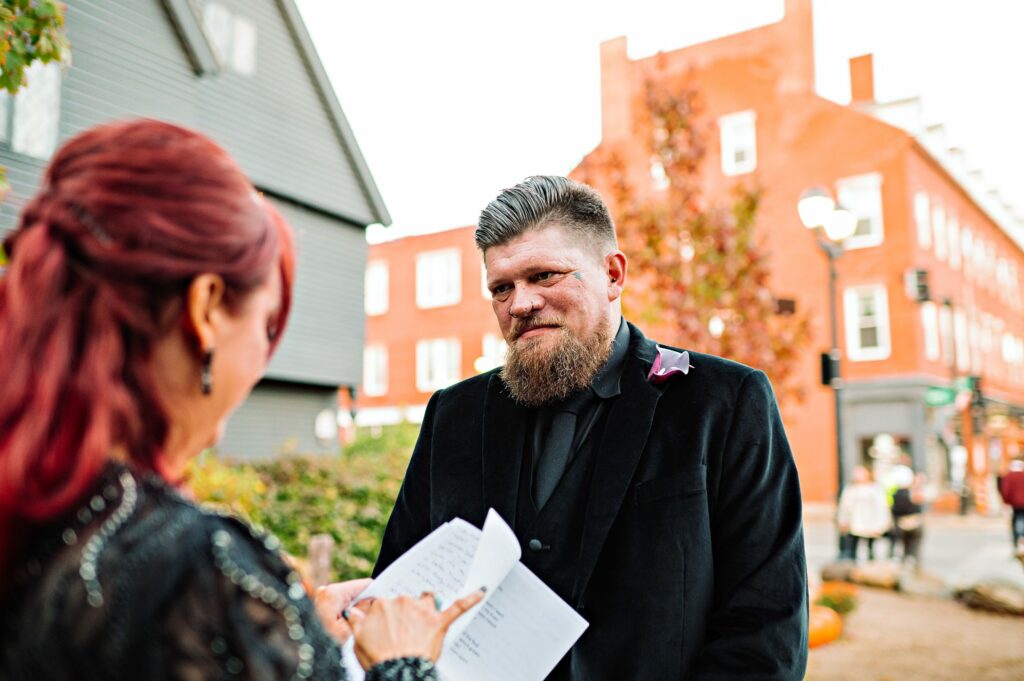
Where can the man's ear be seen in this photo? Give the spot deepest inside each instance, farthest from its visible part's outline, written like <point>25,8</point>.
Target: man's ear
<point>202,299</point>
<point>615,268</point>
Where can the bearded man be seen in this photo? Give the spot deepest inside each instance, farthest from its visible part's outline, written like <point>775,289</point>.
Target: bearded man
<point>652,489</point>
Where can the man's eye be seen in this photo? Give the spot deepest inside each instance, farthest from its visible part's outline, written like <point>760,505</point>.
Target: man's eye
<point>544,276</point>
<point>500,289</point>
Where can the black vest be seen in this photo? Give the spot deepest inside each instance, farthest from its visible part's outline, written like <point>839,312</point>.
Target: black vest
<point>550,537</point>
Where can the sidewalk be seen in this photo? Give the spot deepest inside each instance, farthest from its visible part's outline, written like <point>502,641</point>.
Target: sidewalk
<point>960,549</point>
<point>893,637</point>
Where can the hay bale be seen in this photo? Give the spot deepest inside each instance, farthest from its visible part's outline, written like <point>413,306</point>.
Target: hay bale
<point>879,574</point>
<point>994,595</point>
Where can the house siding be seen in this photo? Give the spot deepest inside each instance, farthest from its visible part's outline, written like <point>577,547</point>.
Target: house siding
<point>277,420</point>
<point>128,61</point>
<point>324,340</point>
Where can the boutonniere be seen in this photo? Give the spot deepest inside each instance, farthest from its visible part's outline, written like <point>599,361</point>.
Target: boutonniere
<point>667,363</point>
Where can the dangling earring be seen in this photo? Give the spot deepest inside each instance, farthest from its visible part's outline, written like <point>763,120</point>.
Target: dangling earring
<point>206,373</point>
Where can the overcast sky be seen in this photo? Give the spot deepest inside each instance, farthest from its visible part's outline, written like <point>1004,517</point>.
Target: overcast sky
<point>453,100</point>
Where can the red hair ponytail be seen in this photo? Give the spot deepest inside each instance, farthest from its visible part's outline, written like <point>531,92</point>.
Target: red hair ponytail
<point>128,215</point>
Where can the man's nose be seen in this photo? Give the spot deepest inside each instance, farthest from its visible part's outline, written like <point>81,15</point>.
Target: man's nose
<point>524,302</point>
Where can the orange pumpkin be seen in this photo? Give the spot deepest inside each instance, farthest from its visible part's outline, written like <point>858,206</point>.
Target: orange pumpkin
<point>825,626</point>
<point>835,588</point>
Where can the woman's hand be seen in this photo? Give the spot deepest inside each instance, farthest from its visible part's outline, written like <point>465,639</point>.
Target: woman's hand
<point>332,600</point>
<point>404,627</point>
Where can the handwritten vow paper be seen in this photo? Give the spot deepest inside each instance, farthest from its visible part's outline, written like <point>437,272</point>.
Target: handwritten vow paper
<point>518,633</point>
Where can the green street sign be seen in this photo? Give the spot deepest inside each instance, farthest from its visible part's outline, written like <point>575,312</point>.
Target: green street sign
<point>938,397</point>
<point>962,383</point>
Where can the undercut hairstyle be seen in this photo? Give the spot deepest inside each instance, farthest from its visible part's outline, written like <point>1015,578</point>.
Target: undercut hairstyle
<point>540,201</point>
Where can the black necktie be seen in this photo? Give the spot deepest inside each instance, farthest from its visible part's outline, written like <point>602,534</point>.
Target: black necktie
<point>556,449</point>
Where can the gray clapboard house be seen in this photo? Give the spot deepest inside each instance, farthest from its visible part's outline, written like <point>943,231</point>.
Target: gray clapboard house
<point>244,72</point>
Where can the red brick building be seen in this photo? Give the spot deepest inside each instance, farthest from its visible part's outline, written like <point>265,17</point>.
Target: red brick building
<point>921,217</point>
<point>428,323</point>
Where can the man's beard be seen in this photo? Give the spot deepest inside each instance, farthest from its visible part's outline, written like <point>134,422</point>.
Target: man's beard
<point>538,371</point>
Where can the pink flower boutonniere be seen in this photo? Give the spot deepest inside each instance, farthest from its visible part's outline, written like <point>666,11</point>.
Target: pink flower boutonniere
<point>668,363</point>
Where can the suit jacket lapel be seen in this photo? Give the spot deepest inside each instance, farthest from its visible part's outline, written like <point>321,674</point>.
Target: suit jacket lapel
<point>503,438</point>
<point>622,443</point>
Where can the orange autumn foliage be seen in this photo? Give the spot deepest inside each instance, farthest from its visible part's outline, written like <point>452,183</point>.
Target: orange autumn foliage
<point>699,267</point>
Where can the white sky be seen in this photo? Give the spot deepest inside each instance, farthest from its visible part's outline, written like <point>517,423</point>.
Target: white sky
<point>452,100</point>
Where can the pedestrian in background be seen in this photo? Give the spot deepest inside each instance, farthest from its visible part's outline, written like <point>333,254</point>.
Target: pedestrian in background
<point>863,512</point>
<point>1011,488</point>
<point>908,518</point>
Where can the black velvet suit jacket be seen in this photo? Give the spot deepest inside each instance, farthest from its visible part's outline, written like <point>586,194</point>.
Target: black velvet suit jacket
<point>692,563</point>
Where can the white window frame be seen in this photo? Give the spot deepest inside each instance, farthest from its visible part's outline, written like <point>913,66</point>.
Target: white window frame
<point>930,330</point>
<point>974,333</point>
<point>922,218</point>
<point>962,341</point>
<point>438,363</point>
<point>738,132</point>
<point>376,288</point>
<point>854,318</point>
<point>946,331</point>
<point>234,38</point>
<point>953,228</point>
<point>1009,348</point>
<point>375,370</point>
<point>862,195</point>
<point>967,250</point>
<point>5,115</point>
<point>939,230</point>
<point>978,258</point>
<point>40,100</point>
<point>438,278</point>
<point>244,40</point>
<point>492,352</point>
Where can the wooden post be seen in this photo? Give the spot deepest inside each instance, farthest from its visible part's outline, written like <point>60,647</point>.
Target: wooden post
<point>321,548</point>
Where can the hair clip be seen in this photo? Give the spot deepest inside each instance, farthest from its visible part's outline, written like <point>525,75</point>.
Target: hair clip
<point>98,232</point>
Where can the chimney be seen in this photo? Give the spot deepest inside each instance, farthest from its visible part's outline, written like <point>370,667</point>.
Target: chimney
<point>794,38</point>
<point>616,91</point>
<point>862,79</point>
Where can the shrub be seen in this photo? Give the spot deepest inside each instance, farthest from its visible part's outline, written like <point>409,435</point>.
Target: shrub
<point>348,496</point>
<point>839,596</point>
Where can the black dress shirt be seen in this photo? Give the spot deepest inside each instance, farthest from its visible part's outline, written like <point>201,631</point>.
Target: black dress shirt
<point>590,402</point>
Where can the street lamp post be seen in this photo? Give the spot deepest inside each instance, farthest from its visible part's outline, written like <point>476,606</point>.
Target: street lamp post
<point>832,225</point>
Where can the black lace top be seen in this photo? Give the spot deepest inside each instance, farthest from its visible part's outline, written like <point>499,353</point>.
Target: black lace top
<point>141,583</point>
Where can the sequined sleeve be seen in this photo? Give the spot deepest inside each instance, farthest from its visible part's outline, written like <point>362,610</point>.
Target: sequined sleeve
<point>267,628</point>
<point>140,583</point>
<point>242,613</point>
<point>403,669</point>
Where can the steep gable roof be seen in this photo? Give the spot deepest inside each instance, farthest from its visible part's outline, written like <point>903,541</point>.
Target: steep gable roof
<point>186,18</point>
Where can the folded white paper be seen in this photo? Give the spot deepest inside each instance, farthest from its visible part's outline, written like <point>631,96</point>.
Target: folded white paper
<point>518,633</point>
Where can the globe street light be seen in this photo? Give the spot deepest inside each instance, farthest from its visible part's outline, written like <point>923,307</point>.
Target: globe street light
<point>832,225</point>
<point>815,206</point>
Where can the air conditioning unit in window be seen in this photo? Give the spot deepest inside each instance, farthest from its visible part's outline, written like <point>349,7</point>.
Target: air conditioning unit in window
<point>916,282</point>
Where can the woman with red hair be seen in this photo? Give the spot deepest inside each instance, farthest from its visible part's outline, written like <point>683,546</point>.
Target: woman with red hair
<point>147,286</point>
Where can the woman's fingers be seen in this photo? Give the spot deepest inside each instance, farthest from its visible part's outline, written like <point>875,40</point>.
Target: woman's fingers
<point>432,599</point>
<point>336,597</point>
<point>460,607</point>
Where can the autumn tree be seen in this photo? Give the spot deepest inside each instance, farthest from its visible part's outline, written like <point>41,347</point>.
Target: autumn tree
<point>699,274</point>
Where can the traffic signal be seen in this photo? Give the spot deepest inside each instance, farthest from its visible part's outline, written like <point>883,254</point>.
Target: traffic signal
<point>829,368</point>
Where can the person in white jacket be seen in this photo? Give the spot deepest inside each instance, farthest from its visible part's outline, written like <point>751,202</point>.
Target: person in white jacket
<point>863,512</point>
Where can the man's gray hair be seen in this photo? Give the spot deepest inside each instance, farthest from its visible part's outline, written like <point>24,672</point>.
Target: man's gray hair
<point>539,201</point>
